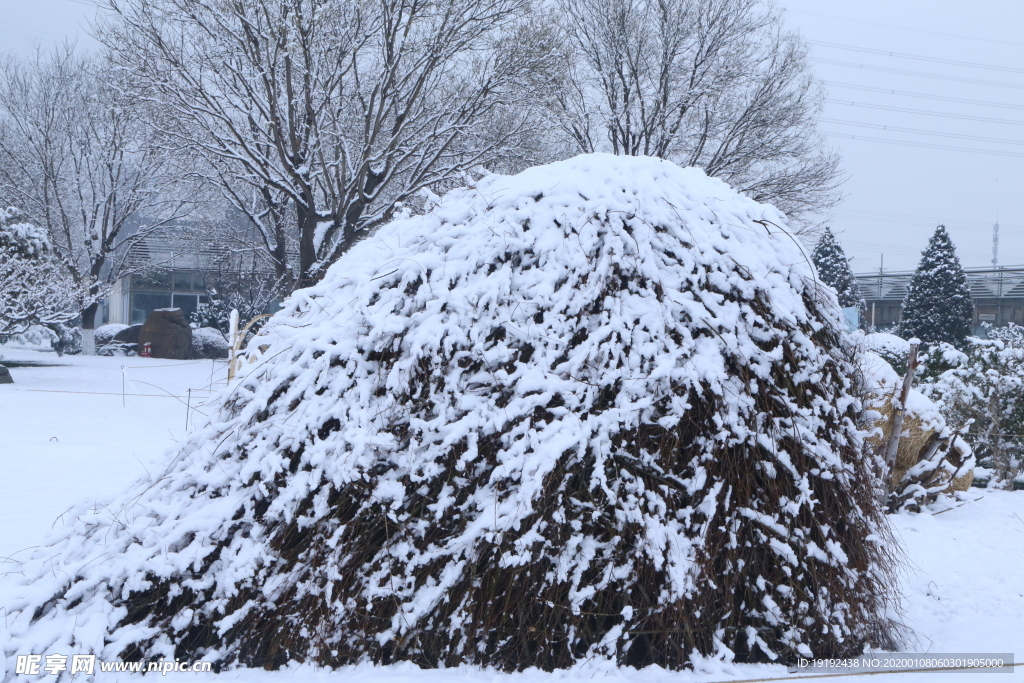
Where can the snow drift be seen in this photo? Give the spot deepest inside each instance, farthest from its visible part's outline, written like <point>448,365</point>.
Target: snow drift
<point>600,408</point>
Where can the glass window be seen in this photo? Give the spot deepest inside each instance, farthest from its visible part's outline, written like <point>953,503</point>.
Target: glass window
<point>155,279</point>
<point>144,303</point>
<point>187,303</point>
<point>182,281</point>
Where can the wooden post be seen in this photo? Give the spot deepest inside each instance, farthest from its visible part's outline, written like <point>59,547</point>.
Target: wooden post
<point>238,336</point>
<point>233,339</point>
<point>898,411</point>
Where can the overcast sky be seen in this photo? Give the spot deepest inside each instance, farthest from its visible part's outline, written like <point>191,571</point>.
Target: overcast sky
<point>947,146</point>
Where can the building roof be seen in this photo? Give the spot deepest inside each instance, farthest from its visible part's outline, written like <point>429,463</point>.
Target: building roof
<point>985,283</point>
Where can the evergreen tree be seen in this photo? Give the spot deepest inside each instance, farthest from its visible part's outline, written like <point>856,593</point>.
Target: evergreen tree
<point>834,270</point>
<point>938,306</point>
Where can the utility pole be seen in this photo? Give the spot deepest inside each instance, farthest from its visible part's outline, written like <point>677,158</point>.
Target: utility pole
<point>995,245</point>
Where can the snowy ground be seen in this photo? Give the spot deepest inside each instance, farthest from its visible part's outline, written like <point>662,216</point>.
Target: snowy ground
<point>67,433</point>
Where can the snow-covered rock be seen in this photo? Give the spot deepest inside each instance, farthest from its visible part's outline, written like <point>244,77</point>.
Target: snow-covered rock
<point>209,342</point>
<point>105,333</point>
<point>597,409</point>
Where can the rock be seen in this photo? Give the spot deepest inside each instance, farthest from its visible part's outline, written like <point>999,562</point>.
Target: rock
<point>209,342</point>
<point>129,335</point>
<point>5,376</point>
<point>168,333</point>
<point>104,334</point>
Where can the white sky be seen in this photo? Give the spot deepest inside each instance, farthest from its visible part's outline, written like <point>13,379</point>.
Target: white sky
<point>896,193</point>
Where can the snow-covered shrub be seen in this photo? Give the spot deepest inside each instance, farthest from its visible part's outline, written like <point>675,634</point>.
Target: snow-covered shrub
<point>985,383</point>
<point>250,293</point>
<point>36,337</point>
<point>35,287</point>
<point>596,409</point>
<point>894,350</point>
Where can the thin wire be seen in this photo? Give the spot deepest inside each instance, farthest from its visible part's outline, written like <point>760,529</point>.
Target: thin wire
<point>907,216</point>
<point>919,74</point>
<point>921,131</point>
<point>923,58</point>
<point>921,144</point>
<point>906,93</point>
<point>925,112</point>
<point>927,222</point>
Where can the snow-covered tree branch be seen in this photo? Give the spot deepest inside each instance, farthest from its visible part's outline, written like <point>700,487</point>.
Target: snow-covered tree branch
<point>716,84</point>
<point>76,157</point>
<point>336,111</point>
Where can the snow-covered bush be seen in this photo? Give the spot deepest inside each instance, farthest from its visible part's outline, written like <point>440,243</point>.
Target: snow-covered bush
<point>894,350</point>
<point>36,337</point>
<point>35,287</point>
<point>985,383</point>
<point>596,409</point>
<point>251,294</point>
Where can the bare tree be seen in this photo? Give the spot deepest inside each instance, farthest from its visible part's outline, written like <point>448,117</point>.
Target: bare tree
<point>338,110</point>
<point>716,84</point>
<point>76,157</point>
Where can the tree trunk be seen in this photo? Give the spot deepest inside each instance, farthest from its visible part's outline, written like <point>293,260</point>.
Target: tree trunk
<point>307,220</point>
<point>88,325</point>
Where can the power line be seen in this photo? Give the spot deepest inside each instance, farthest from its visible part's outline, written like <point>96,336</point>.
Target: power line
<point>908,28</point>
<point>921,58</point>
<point>922,144</point>
<point>920,131</point>
<point>919,74</point>
<point>906,93</point>
<point>932,219</point>
<point>953,225</point>
<point>965,117</point>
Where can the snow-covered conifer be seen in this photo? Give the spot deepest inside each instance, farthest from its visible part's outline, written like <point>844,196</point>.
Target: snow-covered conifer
<point>593,410</point>
<point>938,306</point>
<point>834,270</point>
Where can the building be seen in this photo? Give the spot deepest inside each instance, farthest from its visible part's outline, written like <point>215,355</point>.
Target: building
<point>170,273</point>
<point>998,296</point>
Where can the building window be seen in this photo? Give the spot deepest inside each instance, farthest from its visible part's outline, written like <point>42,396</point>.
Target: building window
<point>144,303</point>
<point>184,289</point>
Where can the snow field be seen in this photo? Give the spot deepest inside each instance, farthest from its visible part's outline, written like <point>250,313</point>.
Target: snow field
<point>964,582</point>
<point>66,434</point>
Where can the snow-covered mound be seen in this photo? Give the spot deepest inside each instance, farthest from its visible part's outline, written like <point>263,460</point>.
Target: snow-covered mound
<point>886,344</point>
<point>597,409</point>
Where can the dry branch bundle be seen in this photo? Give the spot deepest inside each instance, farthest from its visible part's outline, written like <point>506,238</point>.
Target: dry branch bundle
<point>596,409</point>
